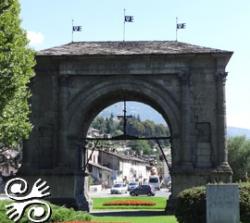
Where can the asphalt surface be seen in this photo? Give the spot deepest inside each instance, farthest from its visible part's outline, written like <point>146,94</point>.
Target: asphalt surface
<point>106,193</point>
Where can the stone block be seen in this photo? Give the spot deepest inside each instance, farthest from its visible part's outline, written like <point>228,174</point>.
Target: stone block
<point>203,149</point>
<point>222,203</point>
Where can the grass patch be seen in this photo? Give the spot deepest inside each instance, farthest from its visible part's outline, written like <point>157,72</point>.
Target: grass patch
<point>160,203</point>
<point>152,219</point>
<point>61,214</point>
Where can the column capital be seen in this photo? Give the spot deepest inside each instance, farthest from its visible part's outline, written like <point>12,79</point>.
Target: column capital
<point>221,76</point>
<point>184,77</point>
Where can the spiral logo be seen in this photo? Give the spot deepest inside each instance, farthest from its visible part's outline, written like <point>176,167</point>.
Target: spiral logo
<point>39,211</point>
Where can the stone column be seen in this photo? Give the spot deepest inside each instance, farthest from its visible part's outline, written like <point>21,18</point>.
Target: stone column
<point>186,158</point>
<point>55,105</point>
<point>221,121</point>
<point>62,119</point>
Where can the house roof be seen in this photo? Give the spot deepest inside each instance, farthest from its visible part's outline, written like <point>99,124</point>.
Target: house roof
<point>128,48</point>
<point>100,166</point>
<point>125,157</point>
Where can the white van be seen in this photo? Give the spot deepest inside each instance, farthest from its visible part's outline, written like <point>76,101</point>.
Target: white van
<point>154,182</point>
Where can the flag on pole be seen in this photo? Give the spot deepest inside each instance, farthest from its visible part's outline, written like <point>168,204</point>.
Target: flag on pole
<point>180,25</point>
<point>128,18</point>
<point>76,28</point>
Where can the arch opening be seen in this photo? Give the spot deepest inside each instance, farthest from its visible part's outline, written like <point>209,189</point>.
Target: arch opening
<point>144,159</point>
<point>94,102</point>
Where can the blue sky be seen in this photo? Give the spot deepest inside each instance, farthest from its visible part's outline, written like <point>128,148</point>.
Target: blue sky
<point>222,24</point>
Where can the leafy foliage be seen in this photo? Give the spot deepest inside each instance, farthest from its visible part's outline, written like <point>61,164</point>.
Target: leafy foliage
<point>16,63</point>
<point>245,202</point>
<point>239,157</point>
<point>68,214</point>
<point>141,145</point>
<point>135,127</point>
<point>191,204</point>
<point>59,214</point>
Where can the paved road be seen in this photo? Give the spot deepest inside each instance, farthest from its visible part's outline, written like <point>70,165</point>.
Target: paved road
<point>106,193</point>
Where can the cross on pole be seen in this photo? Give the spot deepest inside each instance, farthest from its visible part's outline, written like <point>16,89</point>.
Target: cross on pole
<point>125,118</point>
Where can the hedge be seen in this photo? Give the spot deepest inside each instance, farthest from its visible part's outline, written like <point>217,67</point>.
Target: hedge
<point>191,204</point>
<point>59,214</point>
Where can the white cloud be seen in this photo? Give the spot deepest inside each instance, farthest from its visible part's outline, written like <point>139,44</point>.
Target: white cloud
<point>35,38</point>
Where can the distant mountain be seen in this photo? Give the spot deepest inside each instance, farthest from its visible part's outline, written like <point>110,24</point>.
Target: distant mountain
<point>134,108</point>
<point>234,131</point>
<point>147,112</point>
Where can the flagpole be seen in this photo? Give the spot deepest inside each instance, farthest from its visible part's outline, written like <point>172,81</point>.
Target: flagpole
<point>72,30</point>
<point>176,30</point>
<point>124,10</point>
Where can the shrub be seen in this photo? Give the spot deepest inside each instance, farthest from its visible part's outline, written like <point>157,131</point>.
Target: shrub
<point>191,205</point>
<point>68,214</point>
<point>245,202</point>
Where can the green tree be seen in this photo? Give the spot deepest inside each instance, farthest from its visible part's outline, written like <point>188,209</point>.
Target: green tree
<point>135,127</point>
<point>239,157</point>
<point>149,128</point>
<point>16,63</point>
<point>100,124</point>
<point>110,125</point>
<point>141,145</point>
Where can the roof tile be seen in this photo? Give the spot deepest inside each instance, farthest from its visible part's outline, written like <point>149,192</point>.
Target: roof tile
<point>126,48</point>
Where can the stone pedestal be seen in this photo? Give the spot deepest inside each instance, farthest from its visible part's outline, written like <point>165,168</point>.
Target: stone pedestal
<point>183,179</point>
<point>66,189</point>
<point>222,203</point>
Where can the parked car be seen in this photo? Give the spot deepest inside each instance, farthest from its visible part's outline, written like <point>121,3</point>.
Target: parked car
<point>142,190</point>
<point>119,188</point>
<point>132,186</point>
<point>154,181</point>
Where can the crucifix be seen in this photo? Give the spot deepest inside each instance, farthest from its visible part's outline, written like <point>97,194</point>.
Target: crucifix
<point>125,118</point>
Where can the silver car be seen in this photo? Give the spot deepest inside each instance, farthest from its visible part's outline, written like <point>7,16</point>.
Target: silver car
<point>119,188</point>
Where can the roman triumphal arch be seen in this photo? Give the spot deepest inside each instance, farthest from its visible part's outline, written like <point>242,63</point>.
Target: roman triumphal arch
<point>74,82</point>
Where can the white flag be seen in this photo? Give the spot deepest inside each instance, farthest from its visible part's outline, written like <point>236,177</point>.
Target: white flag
<point>129,18</point>
<point>77,28</point>
<point>181,25</point>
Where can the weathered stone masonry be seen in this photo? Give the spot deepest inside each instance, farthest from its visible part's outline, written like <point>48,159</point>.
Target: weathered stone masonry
<point>74,82</point>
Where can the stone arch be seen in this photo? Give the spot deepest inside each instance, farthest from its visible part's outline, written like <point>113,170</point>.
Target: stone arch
<point>85,106</point>
<point>80,79</point>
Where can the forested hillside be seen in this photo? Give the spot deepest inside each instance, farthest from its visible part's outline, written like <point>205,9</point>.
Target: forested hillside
<point>135,127</point>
